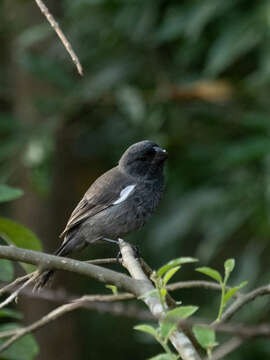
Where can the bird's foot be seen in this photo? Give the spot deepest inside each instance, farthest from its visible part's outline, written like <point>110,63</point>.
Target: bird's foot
<point>119,257</point>
<point>136,251</point>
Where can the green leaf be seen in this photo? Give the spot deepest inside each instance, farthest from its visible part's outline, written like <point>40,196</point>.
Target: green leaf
<point>25,348</point>
<point>173,263</point>
<point>8,193</point>
<point>11,313</point>
<point>181,312</point>
<point>18,235</point>
<point>214,274</point>
<point>147,329</point>
<point>169,274</point>
<point>6,270</point>
<point>229,294</point>
<point>113,288</point>
<point>229,266</point>
<point>205,335</point>
<point>166,328</point>
<point>163,292</point>
<point>162,357</point>
<point>244,283</point>
<point>232,291</point>
<point>153,293</point>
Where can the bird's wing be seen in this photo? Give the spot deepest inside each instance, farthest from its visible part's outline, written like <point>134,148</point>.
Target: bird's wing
<point>109,189</point>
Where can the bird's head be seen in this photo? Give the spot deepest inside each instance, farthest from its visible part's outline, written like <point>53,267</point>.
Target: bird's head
<point>144,159</point>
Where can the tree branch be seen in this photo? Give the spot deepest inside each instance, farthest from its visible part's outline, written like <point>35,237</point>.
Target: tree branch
<point>14,283</point>
<point>46,261</point>
<point>115,307</point>
<point>43,8</point>
<point>16,334</point>
<point>227,348</point>
<point>139,285</point>
<point>208,285</point>
<point>16,293</point>
<point>243,300</point>
<point>179,340</point>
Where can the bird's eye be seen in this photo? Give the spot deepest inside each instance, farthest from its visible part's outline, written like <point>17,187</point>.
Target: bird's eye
<point>151,151</point>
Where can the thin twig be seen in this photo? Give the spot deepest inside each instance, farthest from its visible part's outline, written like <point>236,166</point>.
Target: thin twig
<point>14,283</point>
<point>107,298</point>
<point>209,285</point>
<point>133,311</point>
<point>102,261</point>
<point>43,8</point>
<point>243,330</point>
<point>116,307</point>
<point>239,329</point>
<point>51,316</point>
<point>16,292</point>
<point>243,300</point>
<point>227,348</point>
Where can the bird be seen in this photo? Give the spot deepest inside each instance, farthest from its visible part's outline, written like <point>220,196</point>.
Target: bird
<point>118,202</point>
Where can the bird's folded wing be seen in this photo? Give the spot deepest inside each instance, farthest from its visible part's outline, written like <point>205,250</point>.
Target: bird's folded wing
<point>104,192</point>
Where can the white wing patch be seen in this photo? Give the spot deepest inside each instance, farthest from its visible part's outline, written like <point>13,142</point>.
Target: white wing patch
<point>124,194</point>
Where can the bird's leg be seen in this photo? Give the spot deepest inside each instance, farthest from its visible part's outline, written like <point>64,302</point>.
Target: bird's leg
<point>118,256</point>
<point>136,253</point>
<point>110,240</point>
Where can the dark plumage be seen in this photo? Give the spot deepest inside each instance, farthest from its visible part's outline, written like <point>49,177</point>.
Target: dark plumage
<point>118,202</point>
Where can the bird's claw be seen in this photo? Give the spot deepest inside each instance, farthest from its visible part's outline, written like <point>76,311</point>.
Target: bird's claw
<point>136,251</point>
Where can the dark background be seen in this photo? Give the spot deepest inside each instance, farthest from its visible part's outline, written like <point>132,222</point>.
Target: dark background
<point>193,76</point>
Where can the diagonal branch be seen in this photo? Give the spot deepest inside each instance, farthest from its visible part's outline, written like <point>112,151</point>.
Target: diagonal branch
<point>51,316</point>
<point>17,291</point>
<point>14,283</point>
<point>43,8</point>
<point>179,340</point>
<point>139,285</point>
<point>227,348</point>
<point>243,300</point>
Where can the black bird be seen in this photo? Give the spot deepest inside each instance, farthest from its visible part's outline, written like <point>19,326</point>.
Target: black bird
<point>117,203</point>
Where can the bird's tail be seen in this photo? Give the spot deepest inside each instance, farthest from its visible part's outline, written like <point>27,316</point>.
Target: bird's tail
<point>46,275</point>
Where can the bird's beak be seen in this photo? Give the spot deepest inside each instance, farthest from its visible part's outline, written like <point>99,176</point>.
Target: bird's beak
<point>161,153</point>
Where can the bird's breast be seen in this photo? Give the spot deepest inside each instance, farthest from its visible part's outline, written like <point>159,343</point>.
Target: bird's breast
<point>143,203</point>
<point>128,215</point>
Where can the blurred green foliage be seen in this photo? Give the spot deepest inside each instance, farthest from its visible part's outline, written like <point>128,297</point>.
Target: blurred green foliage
<point>25,348</point>
<point>17,235</point>
<point>192,75</point>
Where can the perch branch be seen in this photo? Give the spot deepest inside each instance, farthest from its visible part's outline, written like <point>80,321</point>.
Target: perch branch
<point>136,285</point>
<point>46,261</point>
<point>179,340</point>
